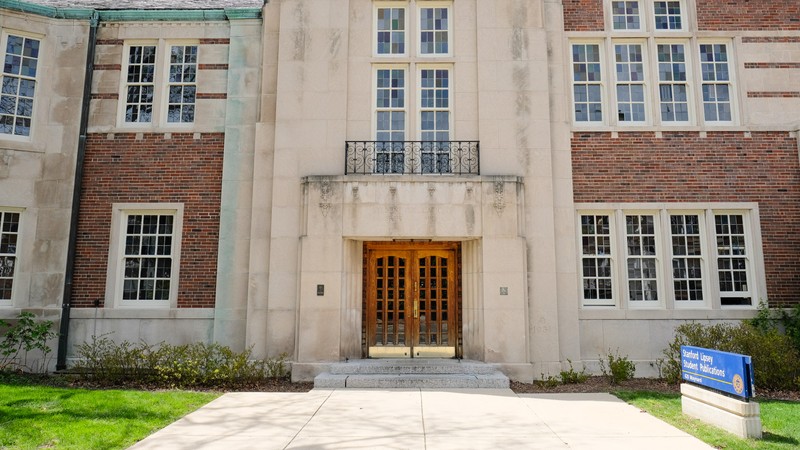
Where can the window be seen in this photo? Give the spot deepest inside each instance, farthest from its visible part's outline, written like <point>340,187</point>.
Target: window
<point>19,84</point>
<point>390,119</point>
<point>698,259</point>
<point>732,259</point>
<point>687,258</point>
<point>391,29</point>
<point>182,83</point>
<point>642,259</point>
<point>630,82</point>
<point>434,31</point>
<point>144,267</point>
<point>596,260</point>
<point>587,87</point>
<point>9,234</point>
<point>158,90</point>
<point>626,15</point>
<point>716,82</point>
<point>668,15</point>
<point>672,87</point>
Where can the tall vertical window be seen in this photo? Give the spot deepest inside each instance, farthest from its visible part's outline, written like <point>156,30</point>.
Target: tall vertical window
<point>9,233</point>
<point>668,15</point>
<point>140,88</point>
<point>596,260</point>
<point>732,259</point>
<point>716,82</point>
<point>390,120</point>
<point>626,15</point>
<point>642,258</point>
<point>435,120</point>
<point>19,83</point>
<point>672,87</point>
<point>391,30</point>
<point>148,258</point>
<point>182,83</point>
<point>630,82</point>
<point>434,29</point>
<point>687,258</point>
<point>587,78</point>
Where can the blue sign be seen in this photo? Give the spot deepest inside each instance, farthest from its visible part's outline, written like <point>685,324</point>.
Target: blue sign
<point>723,371</point>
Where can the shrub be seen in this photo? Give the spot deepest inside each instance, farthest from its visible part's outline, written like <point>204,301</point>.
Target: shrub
<point>175,366</point>
<point>548,381</point>
<point>617,368</point>
<point>786,320</point>
<point>776,362</point>
<point>25,336</point>
<point>572,377</point>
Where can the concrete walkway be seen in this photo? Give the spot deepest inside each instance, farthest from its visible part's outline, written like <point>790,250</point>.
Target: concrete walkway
<point>418,419</point>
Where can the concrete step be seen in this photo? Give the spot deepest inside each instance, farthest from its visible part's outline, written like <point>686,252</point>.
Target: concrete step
<point>412,373</point>
<point>412,366</point>
<point>411,381</point>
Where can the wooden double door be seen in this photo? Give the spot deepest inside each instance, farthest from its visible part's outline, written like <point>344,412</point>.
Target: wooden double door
<point>412,300</point>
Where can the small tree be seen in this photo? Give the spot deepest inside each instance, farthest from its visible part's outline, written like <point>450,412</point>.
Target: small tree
<point>25,336</point>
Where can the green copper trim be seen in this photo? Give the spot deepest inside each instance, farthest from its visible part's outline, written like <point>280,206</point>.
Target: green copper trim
<point>134,15</point>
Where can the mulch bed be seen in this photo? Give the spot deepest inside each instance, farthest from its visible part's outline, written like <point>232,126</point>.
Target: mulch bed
<point>601,384</point>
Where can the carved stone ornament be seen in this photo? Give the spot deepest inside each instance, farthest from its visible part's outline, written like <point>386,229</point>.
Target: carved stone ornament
<point>499,197</point>
<point>325,192</point>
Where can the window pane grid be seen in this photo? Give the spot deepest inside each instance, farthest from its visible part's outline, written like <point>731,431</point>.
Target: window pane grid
<point>434,26</point>
<point>182,84</point>
<point>390,120</point>
<point>687,257</point>
<point>642,258</point>
<point>732,258</point>
<point>140,86</point>
<point>668,15</point>
<point>673,86</point>
<point>596,259</point>
<point>435,120</point>
<point>391,30</point>
<point>9,234</point>
<point>587,78</point>
<point>716,82</point>
<point>148,257</point>
<point>630,82</point>
<point>626,15</point>
<point>18,85</point>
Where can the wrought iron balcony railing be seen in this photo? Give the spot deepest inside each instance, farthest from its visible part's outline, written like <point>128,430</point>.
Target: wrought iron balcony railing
<point>412,157</point>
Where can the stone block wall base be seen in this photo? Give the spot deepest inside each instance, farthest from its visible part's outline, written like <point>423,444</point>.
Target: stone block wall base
<point>740,418</point>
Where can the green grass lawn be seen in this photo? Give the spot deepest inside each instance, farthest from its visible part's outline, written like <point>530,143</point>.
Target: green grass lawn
<point>780,421</point>
<point>34,416</point>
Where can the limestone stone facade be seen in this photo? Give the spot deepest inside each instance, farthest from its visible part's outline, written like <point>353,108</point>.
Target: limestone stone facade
<point>573,228</point>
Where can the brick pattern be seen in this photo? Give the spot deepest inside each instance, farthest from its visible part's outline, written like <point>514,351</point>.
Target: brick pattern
<point>211,96</point>
<point>583,15</point>
<point>773,94</point>
<point>685,167</point>
<point>211,41</point>
<point>120,168</point>
<point>748,15</point>
<point>212,67</point>
<point>110,42</point>
<point>770,39</point>
<point>107,67</point>
<point>105,96</point>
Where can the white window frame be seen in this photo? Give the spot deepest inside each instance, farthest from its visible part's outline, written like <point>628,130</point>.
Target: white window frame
<point>37,85</point>
<point>420,5</point>
<point>706,212</point>
<point>161,85</point>
<point>406,32</point>
<point>602,83</point>
<point>169,84</point>
<point>657,258</point>
<point>690,82</point>
<point>642,4</point>
<point>645,83</point>
<point>683,17</point>
<point>731,82</point>
<point>4,303</point>
<point>613,302</point>
<point>116,256</point>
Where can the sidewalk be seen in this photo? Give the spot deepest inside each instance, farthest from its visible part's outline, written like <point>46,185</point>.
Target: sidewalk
<point>418,419</point>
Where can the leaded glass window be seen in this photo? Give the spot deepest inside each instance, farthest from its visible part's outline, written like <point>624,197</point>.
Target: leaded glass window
<point>434,31</point>
<point>587,87</point>
<point>630,82</point>
<point>716,82</point>
<point>391,28</point>
<point>19,84</point>
<point>673,87</point>
<point>182,83</point>
<point>140,89</point>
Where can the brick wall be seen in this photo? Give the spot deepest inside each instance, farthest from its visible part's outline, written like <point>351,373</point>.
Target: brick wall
<point>151,170</point>
<point>748,15</point>
<point>583,15</point>
<point>723,167</point>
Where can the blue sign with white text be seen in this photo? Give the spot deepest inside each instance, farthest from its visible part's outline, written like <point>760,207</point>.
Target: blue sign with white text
<point>723,371</point>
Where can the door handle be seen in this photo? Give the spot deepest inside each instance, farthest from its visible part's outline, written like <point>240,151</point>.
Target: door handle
<point>416,309</point>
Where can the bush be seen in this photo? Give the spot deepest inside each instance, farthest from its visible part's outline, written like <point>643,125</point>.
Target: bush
<point>572,377</point>
<point>175,366</point>
<point>617,368</point>
<point>776,361</point>
<point>786,320</point>
<point>25,336</point>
